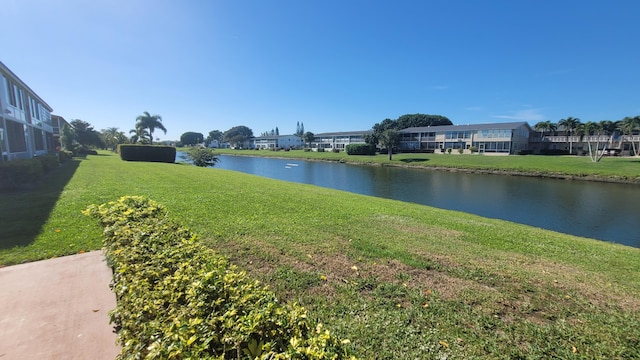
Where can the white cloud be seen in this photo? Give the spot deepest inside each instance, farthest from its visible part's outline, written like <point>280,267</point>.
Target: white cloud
<point>523,115</point>
<point>474,108</point>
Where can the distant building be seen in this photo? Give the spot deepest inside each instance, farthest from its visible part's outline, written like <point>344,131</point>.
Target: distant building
<point>496,138</point>
<point>58,122</point>
<point>338,140</point>
<point>277,142</point>
<point>26,129</point>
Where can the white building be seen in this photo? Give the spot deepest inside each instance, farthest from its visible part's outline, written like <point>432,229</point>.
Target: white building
<point>338,140</point>
<point>26,129</point>
<point>278,142</point>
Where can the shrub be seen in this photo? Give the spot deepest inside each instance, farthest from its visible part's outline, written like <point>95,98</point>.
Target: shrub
<point>320,149</point>
<point>307,150</point>
<point>176,298</point>
<point>334,150</point>
<point>18,173</point>
<point>473,149</point>
<point>202,157</point>
<point>64,155</point>
<point>153,153</point>
<point>49,162</point>
<point>360,149</point>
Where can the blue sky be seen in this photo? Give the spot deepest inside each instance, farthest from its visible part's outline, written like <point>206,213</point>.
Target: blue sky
<point>332,65</point>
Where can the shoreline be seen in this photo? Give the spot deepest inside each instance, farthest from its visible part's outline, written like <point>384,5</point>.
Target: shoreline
<point>542,175</point>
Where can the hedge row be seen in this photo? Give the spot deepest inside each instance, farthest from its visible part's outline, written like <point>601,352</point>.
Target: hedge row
<point>17,173</point>
<point>153,153</point>
<point>360,149</point>
<point>176,298</point>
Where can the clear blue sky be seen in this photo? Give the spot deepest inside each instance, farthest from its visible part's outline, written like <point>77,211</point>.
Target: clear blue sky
<point>334,65</point>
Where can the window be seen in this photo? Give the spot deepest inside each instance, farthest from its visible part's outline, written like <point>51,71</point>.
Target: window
<point>15,133</point>
<point>37,137</point>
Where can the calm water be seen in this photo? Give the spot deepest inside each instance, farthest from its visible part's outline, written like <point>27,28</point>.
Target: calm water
<point>595,210</point>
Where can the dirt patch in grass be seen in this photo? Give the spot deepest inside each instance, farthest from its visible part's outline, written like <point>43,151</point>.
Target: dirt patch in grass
<point>518,288</point>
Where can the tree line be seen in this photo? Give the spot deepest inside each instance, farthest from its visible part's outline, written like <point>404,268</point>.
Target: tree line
<point>574,127</point>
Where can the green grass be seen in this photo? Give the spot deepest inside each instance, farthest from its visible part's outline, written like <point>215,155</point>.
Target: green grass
<point>400,280</point>
<point>610,168</point>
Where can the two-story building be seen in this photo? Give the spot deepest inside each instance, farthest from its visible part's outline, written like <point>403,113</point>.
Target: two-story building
<point>26,129</point>
<point>277,142</point>
<point>338,140</point>
<point>495,138</point>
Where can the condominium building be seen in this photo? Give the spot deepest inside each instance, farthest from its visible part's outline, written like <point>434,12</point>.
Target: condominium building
<point>26,129</point>
<point>495,138</point>
<point>338,140</point>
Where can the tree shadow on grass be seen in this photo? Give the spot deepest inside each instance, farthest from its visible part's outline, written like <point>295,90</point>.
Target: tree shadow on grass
<point>414,160</point>
<point>24,212</point>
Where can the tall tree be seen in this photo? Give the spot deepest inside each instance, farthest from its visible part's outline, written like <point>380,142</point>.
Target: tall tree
<point>151,123</point>
<point>85,135</point>
<point>112,137</point>
<point>139,135</point>
<point>628,126</point>
<point>544,127</point>
<point>213,135</point>
<point>237,135</point>
<point>591,129</point>
<point>191,138</point>
<point>421,120</point>
<point>277,131</point>
<point>67,137</point>
<point>389,138</point>
<point>570,125</point>
<point>308,138</point>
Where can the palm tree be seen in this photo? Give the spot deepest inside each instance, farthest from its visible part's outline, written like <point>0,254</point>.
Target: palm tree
<point>389,139</point>
<point>139,134</point>
<point>570,124</point>
<point>627,126</point>
<point>112,137</point>
<point>150,122</point>
<point>545,127</point>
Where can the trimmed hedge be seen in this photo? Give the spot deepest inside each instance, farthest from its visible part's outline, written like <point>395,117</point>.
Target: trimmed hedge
<point>17,173</point>
<point>360,149</point>
<point>152,153</point>
<point>176,298</point>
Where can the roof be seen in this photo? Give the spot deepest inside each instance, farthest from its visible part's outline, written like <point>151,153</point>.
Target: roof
<point>491,126</point>
<point>345,133</point>
<point>15,77</point>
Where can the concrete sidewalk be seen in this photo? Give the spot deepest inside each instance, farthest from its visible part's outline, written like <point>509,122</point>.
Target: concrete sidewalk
<point>57,309</point>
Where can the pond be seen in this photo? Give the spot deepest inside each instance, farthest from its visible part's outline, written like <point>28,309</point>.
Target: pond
<point>602,211</point>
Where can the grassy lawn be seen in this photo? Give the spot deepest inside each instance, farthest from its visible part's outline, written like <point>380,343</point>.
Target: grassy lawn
<point>400,280</point>
<point>578,166</point>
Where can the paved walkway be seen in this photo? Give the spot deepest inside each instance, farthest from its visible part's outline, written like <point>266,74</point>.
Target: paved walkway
<point>57,309</point>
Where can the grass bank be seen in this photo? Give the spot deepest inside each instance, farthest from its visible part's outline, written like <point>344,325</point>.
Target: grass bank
<point>400,280</point>
<point>612,169</point>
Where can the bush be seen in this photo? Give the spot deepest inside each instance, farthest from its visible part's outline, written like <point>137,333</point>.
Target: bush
<point>334,150</point>
<point>320,149</point>
<point>202,157</point>
<point>360,149</point>
<point>153,153</point>
<point>554,152</point>
<point>176,298</point>
<point>64,155</point>
<point>17,173</point>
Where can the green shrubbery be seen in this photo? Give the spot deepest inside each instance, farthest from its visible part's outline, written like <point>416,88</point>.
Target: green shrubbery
<point>176,298</point>
<point>360,149</point>
<point>17,173</point>
<point>134,152</point>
